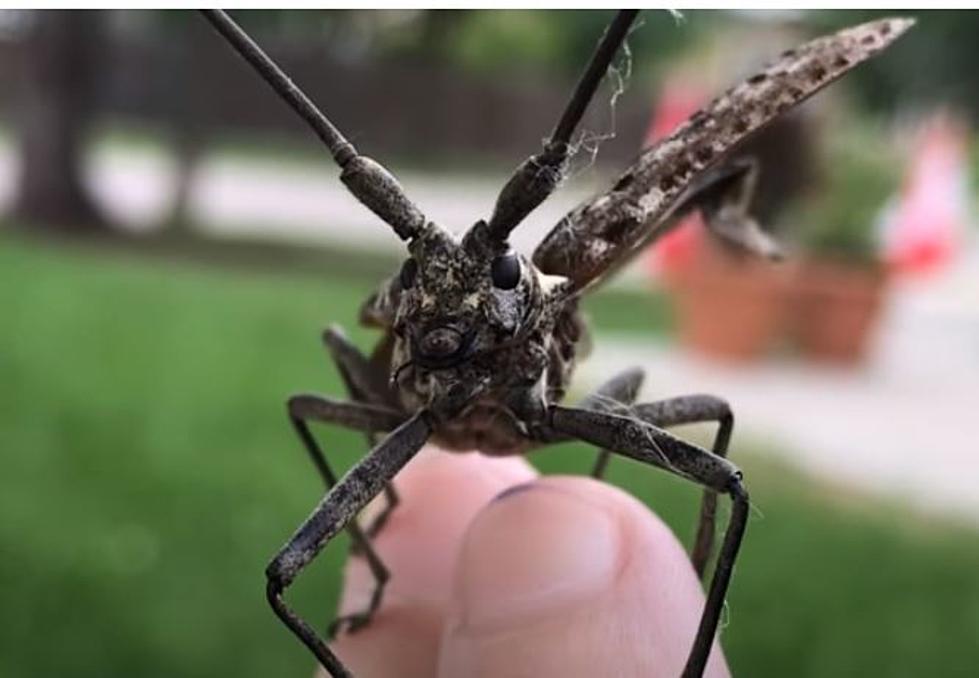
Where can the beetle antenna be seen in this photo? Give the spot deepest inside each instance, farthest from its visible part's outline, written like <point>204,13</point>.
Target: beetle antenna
<point>540,174</point>
<point>367,179</point>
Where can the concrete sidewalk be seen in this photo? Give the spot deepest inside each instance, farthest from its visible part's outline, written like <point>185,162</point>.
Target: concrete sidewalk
<point>902,426</point>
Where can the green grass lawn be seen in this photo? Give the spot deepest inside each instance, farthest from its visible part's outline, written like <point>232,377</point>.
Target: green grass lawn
<point>149,473</point>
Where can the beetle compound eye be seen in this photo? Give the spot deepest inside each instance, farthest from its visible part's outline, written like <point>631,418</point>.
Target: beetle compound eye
<point>409,271</point>
<point>506,271</point>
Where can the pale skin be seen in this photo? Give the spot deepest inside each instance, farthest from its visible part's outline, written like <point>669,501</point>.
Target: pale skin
<point>498,572</point>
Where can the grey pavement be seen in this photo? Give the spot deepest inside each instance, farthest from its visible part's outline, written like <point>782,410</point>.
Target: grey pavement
<point>901,427</point>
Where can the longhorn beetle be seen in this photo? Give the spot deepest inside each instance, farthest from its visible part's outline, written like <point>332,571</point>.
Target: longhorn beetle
<point>478,343</point>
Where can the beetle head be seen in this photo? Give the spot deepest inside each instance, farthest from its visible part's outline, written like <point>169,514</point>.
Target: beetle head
<point>460,305</point>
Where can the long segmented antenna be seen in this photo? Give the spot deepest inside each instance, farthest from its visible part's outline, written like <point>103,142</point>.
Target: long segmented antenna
<point>367,179</point>
<point>540,174</point>
<point>592,77</point>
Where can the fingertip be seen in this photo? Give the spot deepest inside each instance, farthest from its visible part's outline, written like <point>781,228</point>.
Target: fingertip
<point>570,576</point>
<point>538,547</point>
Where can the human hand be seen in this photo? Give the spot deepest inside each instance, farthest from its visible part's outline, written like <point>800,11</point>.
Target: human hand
<point>496,572</point>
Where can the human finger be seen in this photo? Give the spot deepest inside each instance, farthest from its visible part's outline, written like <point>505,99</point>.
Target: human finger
<point>440,494</point>
<point>571,577</point>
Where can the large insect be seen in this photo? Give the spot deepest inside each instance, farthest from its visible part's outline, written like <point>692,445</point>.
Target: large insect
<point>478,343</point>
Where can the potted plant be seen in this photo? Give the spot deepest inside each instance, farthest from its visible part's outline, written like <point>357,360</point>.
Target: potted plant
<point>730,305</point>
<point>837,289</point>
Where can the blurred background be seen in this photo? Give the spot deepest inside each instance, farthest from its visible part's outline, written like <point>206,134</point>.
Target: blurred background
<point>174,239</point>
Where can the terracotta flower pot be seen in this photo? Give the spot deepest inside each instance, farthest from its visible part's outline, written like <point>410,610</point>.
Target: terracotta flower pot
<point>729,308</point>
<point>835,307</point>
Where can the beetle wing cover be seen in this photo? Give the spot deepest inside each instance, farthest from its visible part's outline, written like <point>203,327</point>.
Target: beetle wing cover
<point>598,235</point>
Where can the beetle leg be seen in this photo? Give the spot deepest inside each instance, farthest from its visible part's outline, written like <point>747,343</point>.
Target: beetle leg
<point>364,384</point>
<point>724,197</point>
<point>346,497</point>
<point>358,416</point>
<point>615,394</point>
<point>694,409</point>
<point>644,442</point>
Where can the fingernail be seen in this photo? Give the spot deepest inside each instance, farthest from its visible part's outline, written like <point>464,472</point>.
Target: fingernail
<point>514,490</point>
<point>540,550</point>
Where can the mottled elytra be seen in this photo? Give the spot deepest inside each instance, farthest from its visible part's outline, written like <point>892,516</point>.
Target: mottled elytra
<point>478,344</point>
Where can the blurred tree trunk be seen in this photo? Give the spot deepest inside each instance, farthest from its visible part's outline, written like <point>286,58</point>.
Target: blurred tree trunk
<point>60,75</point>
<point>188,135</point>
<point>188,149</point>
